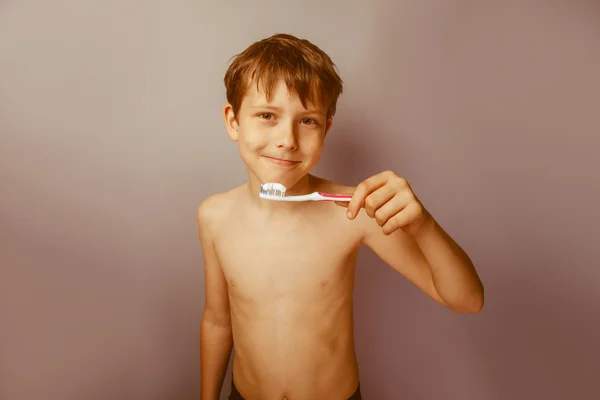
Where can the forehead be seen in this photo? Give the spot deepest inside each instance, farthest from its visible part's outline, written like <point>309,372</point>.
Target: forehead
<point>280,94</point>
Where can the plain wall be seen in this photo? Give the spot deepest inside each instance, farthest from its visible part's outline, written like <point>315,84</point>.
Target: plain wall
<point>111,134</point>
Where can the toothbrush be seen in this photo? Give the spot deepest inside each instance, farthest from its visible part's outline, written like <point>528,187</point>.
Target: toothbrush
<point>276,191</point>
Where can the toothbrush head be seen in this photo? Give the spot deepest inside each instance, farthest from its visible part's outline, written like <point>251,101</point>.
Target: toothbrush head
<point>272,191</point>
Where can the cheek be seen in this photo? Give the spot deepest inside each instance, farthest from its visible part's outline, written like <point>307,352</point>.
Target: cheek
<point>252,140</point>
<point>313,147</point>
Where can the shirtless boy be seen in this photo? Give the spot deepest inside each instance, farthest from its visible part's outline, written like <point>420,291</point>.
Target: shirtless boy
<point>279,276</point>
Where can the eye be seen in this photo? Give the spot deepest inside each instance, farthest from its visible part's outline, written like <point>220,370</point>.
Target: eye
<point>266,116</point>
<point>309,121</point>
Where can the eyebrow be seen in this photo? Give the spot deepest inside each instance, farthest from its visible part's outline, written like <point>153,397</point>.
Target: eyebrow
<point>261,105</point>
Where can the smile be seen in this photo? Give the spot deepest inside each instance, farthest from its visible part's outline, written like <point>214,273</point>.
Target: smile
<point>281,162</point>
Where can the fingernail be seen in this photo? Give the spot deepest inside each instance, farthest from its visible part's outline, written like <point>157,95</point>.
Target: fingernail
<point>349,214</point>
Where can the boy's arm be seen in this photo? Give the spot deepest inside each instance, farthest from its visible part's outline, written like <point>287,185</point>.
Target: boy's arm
<point>216,340</point>
<point>432,261</point>
<point>404,234</point>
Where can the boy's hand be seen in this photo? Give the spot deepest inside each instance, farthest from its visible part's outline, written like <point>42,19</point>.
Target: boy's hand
<point>390,200</point>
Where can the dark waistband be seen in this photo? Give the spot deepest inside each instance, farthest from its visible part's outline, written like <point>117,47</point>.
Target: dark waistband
<point>235,394</point>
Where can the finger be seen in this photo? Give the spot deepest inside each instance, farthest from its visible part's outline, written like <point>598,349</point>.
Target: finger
<point>342,203</point>
<point>401,219</point>
<point>377,199</point>
<point>389,209</point>
<point>362,191</point>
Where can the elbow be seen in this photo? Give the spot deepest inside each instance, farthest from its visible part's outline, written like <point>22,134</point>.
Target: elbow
<point>215,319</point>
<point>473,304</point>
<point>467,308</point>
<point>471,308</point>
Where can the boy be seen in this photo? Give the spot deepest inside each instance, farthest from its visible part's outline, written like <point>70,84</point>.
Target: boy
<point>279,276</point>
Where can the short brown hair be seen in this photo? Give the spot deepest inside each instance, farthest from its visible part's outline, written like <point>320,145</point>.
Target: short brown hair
<point>303,66</point>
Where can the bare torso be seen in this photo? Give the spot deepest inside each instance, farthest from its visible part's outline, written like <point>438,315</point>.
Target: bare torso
<point>290,279</point>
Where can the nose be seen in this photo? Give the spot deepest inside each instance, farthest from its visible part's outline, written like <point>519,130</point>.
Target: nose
<point>286,138</point>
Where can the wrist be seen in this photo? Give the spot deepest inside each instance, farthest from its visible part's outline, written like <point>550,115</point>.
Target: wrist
<point>426,228</point>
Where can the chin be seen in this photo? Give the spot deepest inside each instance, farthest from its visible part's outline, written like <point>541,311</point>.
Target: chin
<point>286,178</point>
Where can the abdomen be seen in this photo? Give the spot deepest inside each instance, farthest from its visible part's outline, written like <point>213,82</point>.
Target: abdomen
<point>299,347</point>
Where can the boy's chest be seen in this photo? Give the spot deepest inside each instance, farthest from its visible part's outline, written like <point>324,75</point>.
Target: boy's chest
<point>285,259</point>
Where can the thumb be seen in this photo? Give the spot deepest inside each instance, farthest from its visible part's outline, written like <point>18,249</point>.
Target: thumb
<point>342,203</point>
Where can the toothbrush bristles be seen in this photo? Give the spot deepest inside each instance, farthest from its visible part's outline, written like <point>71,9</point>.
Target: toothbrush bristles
<point>271,190</point>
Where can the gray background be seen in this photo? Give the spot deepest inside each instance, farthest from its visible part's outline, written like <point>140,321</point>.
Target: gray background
<point>111,134</point>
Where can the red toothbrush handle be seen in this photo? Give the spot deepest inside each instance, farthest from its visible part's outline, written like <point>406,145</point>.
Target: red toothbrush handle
<point>336,196</point>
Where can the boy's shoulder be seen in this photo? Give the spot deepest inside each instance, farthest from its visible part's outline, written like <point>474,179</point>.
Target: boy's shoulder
<point>214,208</point>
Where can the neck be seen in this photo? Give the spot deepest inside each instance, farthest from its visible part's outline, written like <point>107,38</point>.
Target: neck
<point>303,186</point>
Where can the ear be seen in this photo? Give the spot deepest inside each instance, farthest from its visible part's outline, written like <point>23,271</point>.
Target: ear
<point>231,122</point>
<point>328,126</point>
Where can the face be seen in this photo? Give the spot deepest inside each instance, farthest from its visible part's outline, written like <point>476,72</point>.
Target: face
<point>280,141</point>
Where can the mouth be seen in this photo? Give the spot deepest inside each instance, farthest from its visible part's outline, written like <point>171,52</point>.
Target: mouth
<point>281,162</point>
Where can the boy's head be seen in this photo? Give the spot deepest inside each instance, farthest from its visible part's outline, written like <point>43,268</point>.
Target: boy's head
<point>282,93</point>
<point>307,70</point>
